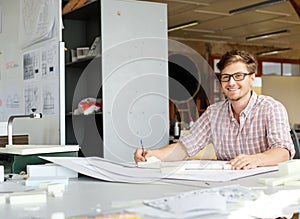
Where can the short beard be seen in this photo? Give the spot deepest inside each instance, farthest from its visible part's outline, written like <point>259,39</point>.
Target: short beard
<point>236,99</point>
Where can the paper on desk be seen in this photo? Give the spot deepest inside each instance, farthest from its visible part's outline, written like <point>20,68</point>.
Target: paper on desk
<point>219,175</point>
<point>104,169</point>
<point>11,186</point>
<point>196,203</point>
<point>211,202</point>
<point>146,210</point>
<point>283,203</point>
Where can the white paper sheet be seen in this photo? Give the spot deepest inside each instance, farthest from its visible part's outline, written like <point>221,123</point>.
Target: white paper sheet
<point>196,203</point>
<point>104,169</point>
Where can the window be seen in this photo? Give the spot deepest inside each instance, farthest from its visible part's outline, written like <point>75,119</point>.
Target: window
<point>271,68</point>
<point>280,68</point>
<point>291,69</point>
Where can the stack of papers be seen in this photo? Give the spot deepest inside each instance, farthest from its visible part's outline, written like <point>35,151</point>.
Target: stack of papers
<point>104,169</point>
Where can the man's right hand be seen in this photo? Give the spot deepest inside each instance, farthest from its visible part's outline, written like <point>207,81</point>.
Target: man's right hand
<point>139,156</point>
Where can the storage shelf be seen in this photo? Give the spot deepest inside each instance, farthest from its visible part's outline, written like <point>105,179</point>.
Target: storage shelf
<point>81,62</point>
<point>71,114</point>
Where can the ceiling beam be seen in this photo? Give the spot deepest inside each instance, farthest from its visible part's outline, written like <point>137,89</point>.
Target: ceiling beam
<point>296,6</point>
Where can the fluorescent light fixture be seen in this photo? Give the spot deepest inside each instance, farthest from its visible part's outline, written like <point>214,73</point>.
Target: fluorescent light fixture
<point>267,35</point>
<point>218,36</point>
<point>197,39</point>
<point>255,6</point>
<point>185,25</point>
<point>287,21</point>
<point>211,12</point>
<point>190,2</point>
<point>272,52</point>
<point>200,30</point>
<point>273,13</point>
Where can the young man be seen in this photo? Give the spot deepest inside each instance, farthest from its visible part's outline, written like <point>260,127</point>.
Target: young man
<point>247,130</point>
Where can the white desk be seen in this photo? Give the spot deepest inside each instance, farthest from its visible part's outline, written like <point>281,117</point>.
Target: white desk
<point>85,195</point>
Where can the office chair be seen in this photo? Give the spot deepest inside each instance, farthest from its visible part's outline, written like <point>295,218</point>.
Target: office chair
<point>296,143</point>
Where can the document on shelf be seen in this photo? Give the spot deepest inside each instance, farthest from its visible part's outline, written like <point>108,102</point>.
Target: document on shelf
<point>108,170</point>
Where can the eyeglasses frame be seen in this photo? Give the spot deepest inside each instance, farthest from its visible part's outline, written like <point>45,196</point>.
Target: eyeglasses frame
<point>232,75</point>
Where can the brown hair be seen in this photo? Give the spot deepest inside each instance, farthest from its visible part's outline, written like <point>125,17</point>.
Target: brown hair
<point>238,56</point>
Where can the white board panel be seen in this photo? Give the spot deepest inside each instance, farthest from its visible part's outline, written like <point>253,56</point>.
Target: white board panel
<point>25,26</point>
<point>135,77</point>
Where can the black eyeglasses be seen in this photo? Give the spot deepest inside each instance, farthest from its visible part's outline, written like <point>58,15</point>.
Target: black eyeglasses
<point>238,76</point>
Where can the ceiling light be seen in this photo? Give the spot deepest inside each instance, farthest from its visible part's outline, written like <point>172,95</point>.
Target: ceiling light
<point>190,2</point>
<point>218,36</point>
<point>272,52</point>
<point>197,39</point>
<point>185,25</point>
<point>287,21</point>
<point>200,30</point>
<point>267,35</point>
<point>273,13</point>
<point>211,12</point>
<point>255,6</point>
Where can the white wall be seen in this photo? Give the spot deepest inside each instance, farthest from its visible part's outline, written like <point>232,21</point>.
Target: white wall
<point>286,90</point>
<point>42,131</point>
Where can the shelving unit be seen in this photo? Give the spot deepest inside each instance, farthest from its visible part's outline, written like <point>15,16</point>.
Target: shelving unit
<point>81,27</point>
<point>128,32</point>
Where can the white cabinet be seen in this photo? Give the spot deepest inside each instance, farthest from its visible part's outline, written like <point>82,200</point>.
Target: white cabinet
<point>130,76</point>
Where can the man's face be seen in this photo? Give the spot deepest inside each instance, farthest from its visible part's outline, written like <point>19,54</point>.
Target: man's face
<point>237,90</point>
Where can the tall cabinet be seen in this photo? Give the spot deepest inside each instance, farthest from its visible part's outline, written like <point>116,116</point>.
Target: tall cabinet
<point>128,76</point>
<point>82,78</point>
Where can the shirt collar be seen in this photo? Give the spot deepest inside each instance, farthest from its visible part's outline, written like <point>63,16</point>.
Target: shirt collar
<point>249,106</point>
<point>251,103</point>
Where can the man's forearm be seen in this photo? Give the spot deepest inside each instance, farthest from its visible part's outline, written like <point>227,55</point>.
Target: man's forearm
<point>172,152</point>
<point>275,156</point>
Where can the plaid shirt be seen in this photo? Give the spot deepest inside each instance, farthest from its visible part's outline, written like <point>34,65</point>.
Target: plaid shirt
<point>263,125</point>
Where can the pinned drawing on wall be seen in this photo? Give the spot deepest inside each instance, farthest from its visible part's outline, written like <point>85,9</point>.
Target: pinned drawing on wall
<point>50,97</point>
<point>40,74</point>
<point>32,97</point>
<point>41,63</point>
<point>38,21</point>
<point>49,61</point>
<point>13,100</point>
<point>31,64</point>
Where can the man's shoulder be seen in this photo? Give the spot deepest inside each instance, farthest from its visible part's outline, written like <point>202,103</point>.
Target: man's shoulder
<point>267,101</point>
<point>218,105</point>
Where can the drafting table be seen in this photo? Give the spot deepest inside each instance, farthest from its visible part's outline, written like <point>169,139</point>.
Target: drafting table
<point>86,195</point>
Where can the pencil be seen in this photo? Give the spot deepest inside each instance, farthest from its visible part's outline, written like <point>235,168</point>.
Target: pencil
<point>143,150</point>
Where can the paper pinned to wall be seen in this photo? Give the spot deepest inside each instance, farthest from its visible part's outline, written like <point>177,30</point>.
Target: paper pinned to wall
<point>38,21</point>
<point>41,79</point>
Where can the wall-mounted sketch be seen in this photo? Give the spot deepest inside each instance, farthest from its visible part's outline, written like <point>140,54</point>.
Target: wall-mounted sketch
<point>49,61</point>
<point>32,97</point>
<point>38,22</point>
<point>31,63</point>
<point>13,100</point>
<point>41,78</point>
<point>50,97</point>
